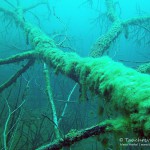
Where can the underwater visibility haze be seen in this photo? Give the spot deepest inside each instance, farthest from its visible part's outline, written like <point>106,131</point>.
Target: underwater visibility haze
<point>75,74</point>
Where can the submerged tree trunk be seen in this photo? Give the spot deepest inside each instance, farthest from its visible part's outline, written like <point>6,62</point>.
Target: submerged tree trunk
<point>126,89</point>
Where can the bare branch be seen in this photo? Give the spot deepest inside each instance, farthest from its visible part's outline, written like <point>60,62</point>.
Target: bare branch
<point>51,100</point>
<point>7,122</point>
<point>66,103</point>
<point>10,4</point>
<point>16,75</point>
<point>35,5</point>
<point>18,2</point>
<point>18,58</point>
<point>8,12</point>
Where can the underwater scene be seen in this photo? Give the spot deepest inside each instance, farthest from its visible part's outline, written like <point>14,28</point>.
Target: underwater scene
<point>74,74</point>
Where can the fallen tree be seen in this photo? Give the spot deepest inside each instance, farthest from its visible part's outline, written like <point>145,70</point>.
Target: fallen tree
<point>127,90</point>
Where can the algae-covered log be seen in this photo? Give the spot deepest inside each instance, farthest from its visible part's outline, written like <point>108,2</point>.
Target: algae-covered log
<point>118,26</point>
<point>77,135</point>
<point>127,90</point>
<point>144,68</point>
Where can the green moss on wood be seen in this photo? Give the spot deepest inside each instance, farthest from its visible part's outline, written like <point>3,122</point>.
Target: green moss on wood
<point>126,89</point>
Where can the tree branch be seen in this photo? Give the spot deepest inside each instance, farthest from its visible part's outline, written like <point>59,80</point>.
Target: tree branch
<point>10,4</point>
<point>66,104</point>
<point>51,101</point>
<point>102,76</point>
<point>34,5</point>
<point>111,13</point>
<point>8,12</point>
<point>136,20</point>
<point>74,136</point>
<point>103,43</point>
<point>18,58</point>
<point>16,75</point>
